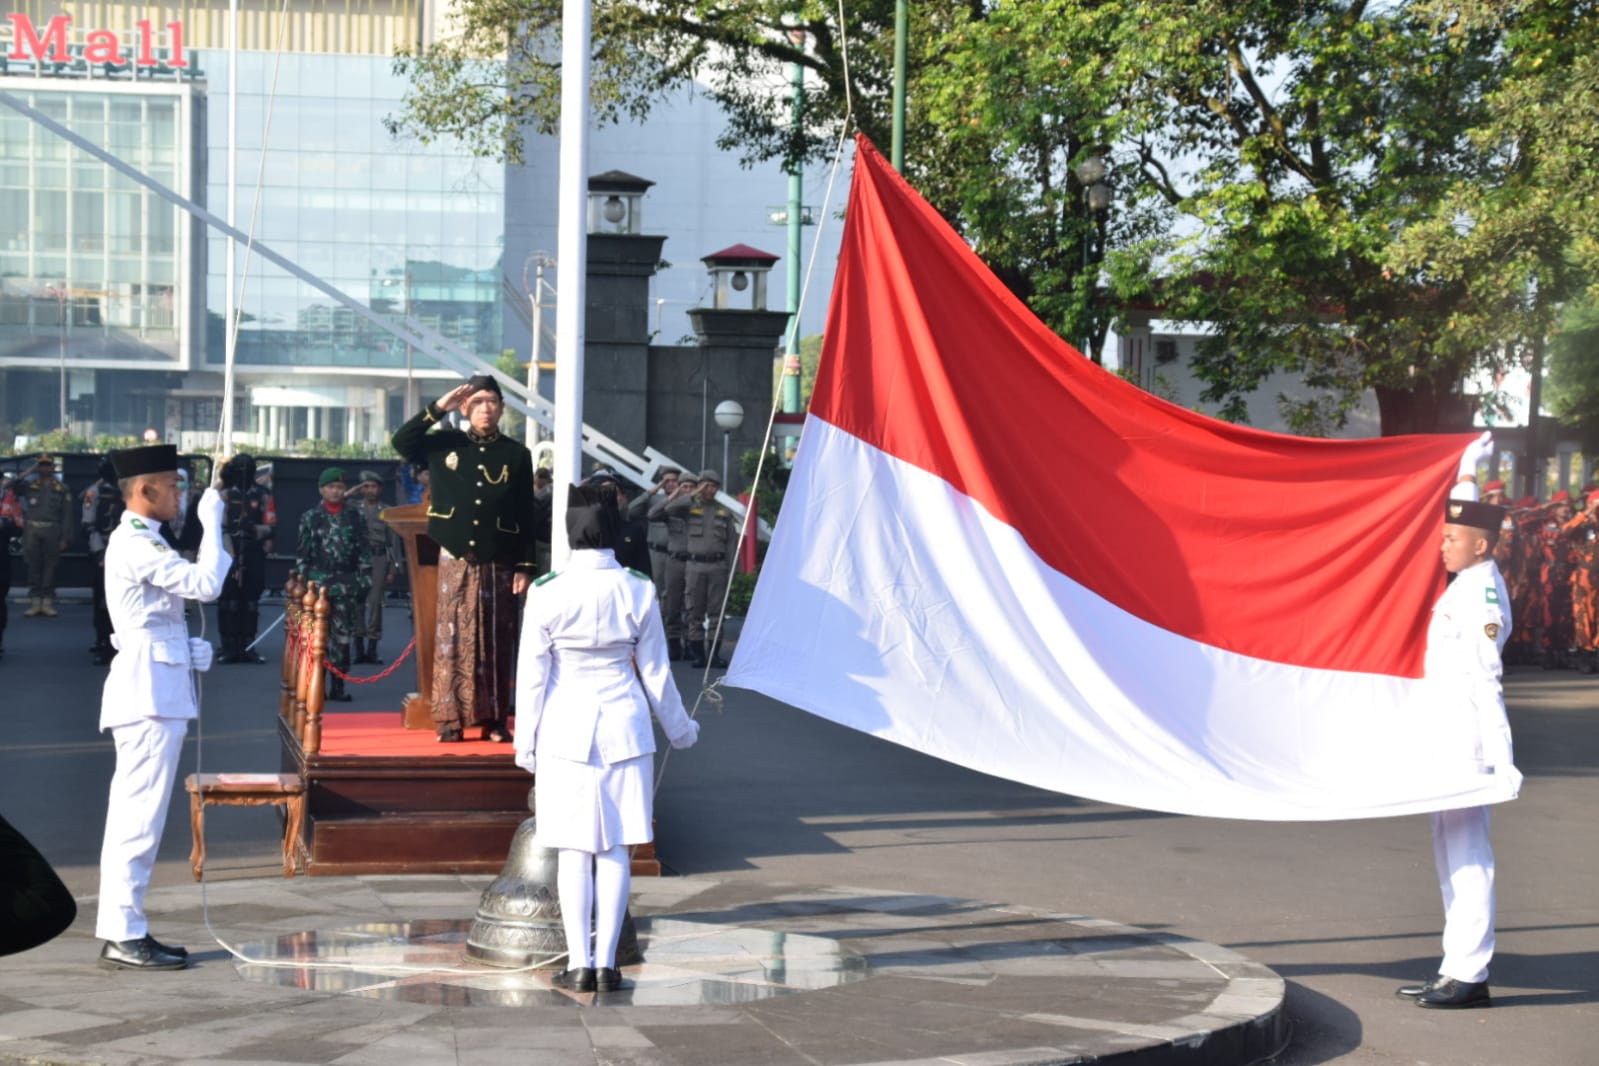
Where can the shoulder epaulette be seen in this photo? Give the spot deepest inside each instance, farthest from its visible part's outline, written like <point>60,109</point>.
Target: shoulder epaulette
<point>551,576</point>
<point>638,574</point>
<point>136,524</point>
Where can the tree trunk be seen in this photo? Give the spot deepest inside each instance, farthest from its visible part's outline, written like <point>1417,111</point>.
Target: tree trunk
<point>1430,405</point>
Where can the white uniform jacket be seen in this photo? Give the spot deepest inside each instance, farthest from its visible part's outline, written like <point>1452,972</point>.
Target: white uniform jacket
<point>1469,627</point>
<point>146,582</point>
<point>583,631</point>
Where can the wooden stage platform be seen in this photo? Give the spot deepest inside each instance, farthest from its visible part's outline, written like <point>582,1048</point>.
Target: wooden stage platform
<point>383,796</point>
<point>383,799</point>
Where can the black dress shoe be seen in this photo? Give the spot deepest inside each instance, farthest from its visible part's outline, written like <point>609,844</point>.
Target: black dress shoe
<point>141,954</point>
<point>607,979</point>
<point>171,949</point>
<point>1412,991</point>
<point>578,980</point>
<point>1450,994</point>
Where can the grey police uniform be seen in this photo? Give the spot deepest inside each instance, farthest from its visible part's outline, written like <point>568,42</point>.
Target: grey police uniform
<point>708,545</point>
<point>47,505</point>
<point>673,575</point>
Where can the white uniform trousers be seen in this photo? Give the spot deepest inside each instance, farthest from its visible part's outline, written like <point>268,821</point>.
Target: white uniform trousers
<point>1465,860</point>
<point>141,789</point>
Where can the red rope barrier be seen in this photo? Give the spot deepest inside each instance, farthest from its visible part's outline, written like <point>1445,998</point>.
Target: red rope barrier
<point>305,658</point>
<point>336,672</point>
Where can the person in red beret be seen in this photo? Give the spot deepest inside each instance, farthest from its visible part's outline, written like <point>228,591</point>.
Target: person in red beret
<point>1552,563</point>
<point>1582,531</point>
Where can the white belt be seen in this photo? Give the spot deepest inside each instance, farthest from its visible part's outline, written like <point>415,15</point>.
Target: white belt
<point>121,641</point>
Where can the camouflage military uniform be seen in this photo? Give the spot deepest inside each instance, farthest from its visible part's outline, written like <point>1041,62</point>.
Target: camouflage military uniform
<point>380,542</point>
<point>334,553</point>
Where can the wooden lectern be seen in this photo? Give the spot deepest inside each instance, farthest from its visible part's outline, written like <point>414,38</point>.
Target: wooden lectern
<point>410,521</point>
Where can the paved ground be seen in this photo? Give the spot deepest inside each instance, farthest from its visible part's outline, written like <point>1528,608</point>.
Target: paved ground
<point>772,798</point>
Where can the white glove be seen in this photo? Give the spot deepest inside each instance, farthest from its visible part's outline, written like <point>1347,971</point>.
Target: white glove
<point>201,654</point>
<point>526,760</point>
<point>212,511</point>
<point>687,738</point>
<point>1478,450</point>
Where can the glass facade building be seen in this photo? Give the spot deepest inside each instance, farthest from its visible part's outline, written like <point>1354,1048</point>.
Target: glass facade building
<point>113,301</point>
<point>399,227</point>
<point>94,268</point>
<point>103,282</point>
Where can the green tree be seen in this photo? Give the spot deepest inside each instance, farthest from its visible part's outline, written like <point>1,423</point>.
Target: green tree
<point>1571,390</point>
<point>1277,170</point>
<point>511,365</point>
<point>1520,241</point>
<point>641,51</point>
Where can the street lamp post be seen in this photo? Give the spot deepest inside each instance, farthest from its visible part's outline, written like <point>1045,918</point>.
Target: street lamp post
<point>1096,198</point>
<point>729,415</point>
<point>61,349</point>
<point>535,294</point>
<point>411,400</point>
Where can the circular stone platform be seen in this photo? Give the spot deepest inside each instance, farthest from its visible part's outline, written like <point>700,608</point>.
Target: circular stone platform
<point>734,973</point>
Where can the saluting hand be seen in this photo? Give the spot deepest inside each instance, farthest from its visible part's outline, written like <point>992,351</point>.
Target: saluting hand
<point>453,399</point>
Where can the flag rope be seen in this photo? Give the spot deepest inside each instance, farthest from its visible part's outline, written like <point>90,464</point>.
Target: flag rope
<point>710,690</point>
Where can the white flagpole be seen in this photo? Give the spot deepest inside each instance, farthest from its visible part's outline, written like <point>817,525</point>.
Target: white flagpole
<point>572,259</point>
<point>225,445</point>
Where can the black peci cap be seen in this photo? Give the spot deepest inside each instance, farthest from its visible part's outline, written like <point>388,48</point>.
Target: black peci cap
<point>151,459</point>
<point>1476,515</point>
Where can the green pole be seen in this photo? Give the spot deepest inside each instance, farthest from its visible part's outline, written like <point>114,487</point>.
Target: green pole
<point>796,223</point>
<point>901,32</point>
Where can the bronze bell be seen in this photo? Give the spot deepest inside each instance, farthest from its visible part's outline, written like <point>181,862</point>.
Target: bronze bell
<point>519,917</point>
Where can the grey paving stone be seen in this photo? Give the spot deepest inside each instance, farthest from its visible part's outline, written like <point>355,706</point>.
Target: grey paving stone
<point>46,1022</point>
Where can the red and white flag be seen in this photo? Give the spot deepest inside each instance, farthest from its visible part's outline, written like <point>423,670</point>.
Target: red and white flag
<point>997,553</point>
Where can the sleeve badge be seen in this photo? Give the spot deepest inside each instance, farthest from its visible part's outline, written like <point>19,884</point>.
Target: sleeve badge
<point>452,460</point>
<point>1492,629</point>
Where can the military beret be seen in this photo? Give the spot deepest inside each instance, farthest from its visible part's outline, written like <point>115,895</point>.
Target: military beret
<point>1560,497</point>
<point>710,475</point>
<point>371,475</point>
<point>329,476</point>
<point>1494,486</point>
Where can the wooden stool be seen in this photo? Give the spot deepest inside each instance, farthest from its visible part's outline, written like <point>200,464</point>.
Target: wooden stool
<point>247,790</point>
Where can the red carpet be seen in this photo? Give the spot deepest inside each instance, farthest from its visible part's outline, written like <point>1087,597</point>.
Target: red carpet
<point>381,733</point>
